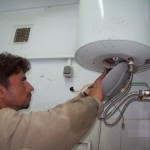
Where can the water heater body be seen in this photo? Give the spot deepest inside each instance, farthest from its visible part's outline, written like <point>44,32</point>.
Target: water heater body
<point>112,32</point>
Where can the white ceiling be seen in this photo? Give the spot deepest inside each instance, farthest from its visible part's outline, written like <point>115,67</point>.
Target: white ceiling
<point>10,5</point>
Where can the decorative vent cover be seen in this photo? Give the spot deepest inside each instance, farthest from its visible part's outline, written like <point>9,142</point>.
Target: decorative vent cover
<point>22,35</point>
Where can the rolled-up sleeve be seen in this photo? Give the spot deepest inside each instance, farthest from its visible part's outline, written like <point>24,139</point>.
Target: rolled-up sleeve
<point>59,128</point>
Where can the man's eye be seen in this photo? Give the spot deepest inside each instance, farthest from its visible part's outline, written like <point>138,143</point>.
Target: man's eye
<point>24,79</point>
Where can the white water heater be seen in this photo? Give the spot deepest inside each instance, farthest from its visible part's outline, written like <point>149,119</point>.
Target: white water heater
<point>112,31</point>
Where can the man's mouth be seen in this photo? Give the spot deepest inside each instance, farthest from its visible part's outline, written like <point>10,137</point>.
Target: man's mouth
<point>29,95</point>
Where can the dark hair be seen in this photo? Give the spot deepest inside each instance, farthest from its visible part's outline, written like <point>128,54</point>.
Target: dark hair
<point>11,64</point>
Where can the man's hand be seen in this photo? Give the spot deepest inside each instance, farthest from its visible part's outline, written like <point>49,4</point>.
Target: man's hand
<point>95,90</point>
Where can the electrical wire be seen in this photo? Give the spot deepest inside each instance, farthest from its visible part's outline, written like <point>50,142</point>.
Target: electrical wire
<point>82,89</point>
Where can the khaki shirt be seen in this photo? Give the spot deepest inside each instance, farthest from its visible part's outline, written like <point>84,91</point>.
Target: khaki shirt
<point>59,128</point>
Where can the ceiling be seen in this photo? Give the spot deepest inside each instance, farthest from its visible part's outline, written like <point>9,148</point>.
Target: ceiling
<point>11,5</point>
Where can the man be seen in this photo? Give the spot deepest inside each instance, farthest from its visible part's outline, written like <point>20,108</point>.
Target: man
<point>59,128</point>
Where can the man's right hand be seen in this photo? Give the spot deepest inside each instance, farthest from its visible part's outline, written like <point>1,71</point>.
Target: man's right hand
<point>96,88</point>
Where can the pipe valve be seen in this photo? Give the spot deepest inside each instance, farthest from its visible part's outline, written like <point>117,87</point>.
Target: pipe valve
<point>144,95</point>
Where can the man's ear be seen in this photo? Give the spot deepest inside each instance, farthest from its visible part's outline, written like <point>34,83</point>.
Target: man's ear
<point>2,91</point>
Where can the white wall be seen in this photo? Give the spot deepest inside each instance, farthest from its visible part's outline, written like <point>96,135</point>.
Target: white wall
<point>53,39</point>
<point>9,5</point>
<point>51,87</point>
<point>53,31</point>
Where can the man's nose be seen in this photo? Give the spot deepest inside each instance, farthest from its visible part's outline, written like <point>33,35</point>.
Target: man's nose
<point>30,87</point>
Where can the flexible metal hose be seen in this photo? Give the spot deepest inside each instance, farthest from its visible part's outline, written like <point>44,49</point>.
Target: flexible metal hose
<point>133,99</point>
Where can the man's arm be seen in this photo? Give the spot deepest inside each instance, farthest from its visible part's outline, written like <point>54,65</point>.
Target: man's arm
<point>59,128</point>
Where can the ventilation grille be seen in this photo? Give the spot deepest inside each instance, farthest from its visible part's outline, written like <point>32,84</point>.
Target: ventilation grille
<point>22,35</point>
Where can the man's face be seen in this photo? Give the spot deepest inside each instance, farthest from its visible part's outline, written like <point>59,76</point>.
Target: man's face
<point>18,92</point>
